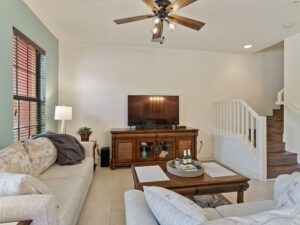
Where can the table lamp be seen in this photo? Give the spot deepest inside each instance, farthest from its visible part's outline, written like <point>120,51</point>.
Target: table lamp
<point>63,113</point>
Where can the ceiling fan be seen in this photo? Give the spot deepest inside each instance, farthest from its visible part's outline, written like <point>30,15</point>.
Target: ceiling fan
<point>163,12</point>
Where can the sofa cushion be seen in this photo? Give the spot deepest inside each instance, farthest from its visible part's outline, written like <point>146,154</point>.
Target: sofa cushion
<point>42,154</point>
<point>59,172</point>
<point>171,208</point>
<point>69,185</point>
<point>212,214</point>
<point>21,184</point>
<point>68,193</point>
<point>245,209</point>
<point>137,209</point>
<point>289,215</point>
<point>291,194</point>
<point>14,159</point>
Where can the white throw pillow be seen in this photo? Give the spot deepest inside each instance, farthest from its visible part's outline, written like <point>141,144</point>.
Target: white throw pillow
<point>42,154</point>
<point>170,208</point>
<point>291,194</point>
<point>21,184</point>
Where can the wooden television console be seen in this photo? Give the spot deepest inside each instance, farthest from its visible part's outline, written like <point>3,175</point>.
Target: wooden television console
<point>148,145</point>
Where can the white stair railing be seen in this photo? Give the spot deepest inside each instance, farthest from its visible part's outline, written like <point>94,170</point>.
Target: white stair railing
<point>285,103</point>
<point>280,97</point>
<point>236,117</point>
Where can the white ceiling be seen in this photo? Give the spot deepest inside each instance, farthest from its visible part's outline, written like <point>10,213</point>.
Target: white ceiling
<point>230,24</point>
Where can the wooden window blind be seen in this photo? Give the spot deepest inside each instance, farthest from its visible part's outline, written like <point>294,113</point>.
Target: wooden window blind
<point>28,87</point>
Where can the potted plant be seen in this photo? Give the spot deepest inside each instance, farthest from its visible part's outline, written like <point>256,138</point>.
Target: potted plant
<point>85,133</point>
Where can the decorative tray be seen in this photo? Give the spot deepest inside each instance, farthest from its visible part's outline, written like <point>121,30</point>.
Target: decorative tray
<point>196,169</point>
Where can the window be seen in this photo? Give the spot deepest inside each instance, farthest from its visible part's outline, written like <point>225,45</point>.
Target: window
<point>28,87</point>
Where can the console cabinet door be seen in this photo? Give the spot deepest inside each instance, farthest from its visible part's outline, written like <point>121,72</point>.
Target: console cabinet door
<point>144,149</point>
<point>185,143</point>
<point>167,148</point>
<point>125,151</point>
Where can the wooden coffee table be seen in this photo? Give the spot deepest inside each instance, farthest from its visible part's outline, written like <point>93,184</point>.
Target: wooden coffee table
<point>198,185</point>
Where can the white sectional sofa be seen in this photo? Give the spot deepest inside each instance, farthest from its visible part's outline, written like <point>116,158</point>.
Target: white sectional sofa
<point>69,185</point>
<point>138,212</point>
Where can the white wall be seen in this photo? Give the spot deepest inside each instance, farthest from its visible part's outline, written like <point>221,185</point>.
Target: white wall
<point>292,93</point>
<point>228,148</point>
<point>96,80</point>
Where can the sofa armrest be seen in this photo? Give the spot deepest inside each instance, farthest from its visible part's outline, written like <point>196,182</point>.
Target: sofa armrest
<point>281,183</point>
<point>41,209</point>
<point>89,148</point>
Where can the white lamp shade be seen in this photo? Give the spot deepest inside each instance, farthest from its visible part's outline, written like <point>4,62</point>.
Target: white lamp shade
<point>63,113</point>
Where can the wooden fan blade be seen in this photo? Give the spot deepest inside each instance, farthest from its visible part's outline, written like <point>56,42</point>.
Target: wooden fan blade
<point>153,6</point>
<point>190,23</point>
<point>133,19</point>
<point>178,4</point>
<point>160,28</point>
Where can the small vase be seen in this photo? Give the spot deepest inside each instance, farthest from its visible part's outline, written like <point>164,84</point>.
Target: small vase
<point>144,153</point>
<point>85,137</point>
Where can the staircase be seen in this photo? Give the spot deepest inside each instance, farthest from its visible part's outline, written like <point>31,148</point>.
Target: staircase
<point>240,140</point>
<point>279,161</point>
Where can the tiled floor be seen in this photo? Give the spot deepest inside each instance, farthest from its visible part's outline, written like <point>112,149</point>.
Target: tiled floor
<point>105,205</point>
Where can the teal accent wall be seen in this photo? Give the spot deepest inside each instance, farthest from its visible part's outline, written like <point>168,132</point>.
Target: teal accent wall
<point>15,13</point>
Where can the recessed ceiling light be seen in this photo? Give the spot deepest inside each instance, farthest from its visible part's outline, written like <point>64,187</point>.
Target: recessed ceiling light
<point>248,46</point>
<point>287,25</point>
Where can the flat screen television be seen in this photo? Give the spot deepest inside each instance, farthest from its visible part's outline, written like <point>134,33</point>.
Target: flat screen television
<point>153,110</point>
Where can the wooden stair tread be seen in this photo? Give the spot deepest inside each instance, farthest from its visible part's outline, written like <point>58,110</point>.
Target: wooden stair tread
<point>276,124</point>
<point>275,147</point>
<point>276,151</point>
<point>270,142</point>
<point>279,158</point>
<point>276,170</point>
<point>277,154</point>
<point>274,118</point>
<point>275,130</point>
<point>273,134</point>
<point>284,168</point>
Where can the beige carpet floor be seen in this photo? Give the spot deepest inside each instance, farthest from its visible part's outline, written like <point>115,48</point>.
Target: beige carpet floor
<point>104,204</point>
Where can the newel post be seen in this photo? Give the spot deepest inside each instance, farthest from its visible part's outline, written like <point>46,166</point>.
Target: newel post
<point>262,148</point>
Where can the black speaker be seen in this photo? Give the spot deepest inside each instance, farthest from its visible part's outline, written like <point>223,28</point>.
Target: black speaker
<point>104,154</point>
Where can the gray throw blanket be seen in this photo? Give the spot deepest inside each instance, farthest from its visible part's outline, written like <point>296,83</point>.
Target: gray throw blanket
<point>69,149</point>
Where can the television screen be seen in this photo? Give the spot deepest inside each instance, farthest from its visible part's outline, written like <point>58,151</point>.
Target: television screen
<point>155,110</point>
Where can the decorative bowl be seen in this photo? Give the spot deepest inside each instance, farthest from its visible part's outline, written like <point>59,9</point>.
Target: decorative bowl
<point>173,169</point>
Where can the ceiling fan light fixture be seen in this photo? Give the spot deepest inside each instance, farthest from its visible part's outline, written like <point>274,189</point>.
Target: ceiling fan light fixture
<point>162,14</point>
<point>171,26</point>
<point>156,20</point>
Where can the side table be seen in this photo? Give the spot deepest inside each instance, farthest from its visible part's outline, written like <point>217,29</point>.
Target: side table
<point>94,153</point>
<point>24,223</point>
<point>92,145</point>
<point>27,222</point>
